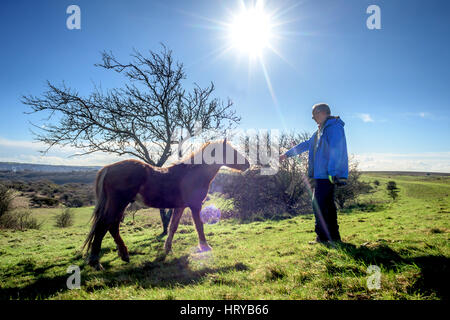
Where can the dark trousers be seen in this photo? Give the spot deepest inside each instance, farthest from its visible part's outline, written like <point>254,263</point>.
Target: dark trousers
<point>325,211</point>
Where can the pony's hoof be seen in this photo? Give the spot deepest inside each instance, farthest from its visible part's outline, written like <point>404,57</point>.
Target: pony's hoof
<point>96,265</point>
<point>204,248</point>
<point>124,256</point>
<point>94,262</point>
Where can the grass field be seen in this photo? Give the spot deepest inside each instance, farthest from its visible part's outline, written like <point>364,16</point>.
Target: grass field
<point>407,239</point>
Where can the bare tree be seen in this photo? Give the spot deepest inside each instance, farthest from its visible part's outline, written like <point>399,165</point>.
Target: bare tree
<point>139,119</point>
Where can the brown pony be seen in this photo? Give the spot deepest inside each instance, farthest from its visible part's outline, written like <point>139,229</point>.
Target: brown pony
<point>184,184</point>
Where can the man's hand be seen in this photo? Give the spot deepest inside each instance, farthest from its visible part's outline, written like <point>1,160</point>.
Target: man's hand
<point>337,181</point>
<point>282,157</point>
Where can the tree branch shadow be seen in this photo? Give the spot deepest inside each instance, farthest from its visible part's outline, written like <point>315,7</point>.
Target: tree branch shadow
<point>434,273</point>
<point>159,273</point>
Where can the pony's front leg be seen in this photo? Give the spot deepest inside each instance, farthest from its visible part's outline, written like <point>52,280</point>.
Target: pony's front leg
<point>121,247</point>
<point>174,221</point>
<point>203,245</point>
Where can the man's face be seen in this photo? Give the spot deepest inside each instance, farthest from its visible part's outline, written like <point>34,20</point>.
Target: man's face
<point>319,117</point>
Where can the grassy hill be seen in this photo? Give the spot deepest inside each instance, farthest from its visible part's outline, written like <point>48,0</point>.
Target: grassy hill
<point>407,239</point>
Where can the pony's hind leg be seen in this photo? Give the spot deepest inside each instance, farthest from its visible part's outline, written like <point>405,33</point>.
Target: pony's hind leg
<point>121,247</point>
<point>203,245</point>
<point>94,257</point>
<point>110,218</point>
<point>174,221</point>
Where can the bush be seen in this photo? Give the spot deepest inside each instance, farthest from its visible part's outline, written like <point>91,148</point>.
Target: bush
<point>75,203</point>
<point>19,220</point>
<point>43,201</point>
<point>259,197</point>
<point>64,219</point>
<point>133,208</point>
<point>6,198</point>
<point>392,189</point>
<point>223,202</point>
<point>287,192</point>
<point>251,195</point>
<point>353,188</point>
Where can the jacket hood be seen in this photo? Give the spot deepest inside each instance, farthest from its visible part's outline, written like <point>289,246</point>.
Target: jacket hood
<point>332,120</point>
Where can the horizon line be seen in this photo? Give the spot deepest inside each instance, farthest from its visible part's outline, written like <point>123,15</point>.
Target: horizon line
<point>101,166</point>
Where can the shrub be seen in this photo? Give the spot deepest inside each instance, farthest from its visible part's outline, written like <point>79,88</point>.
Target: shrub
<point>392,189</point>
<point>262,197</point>
<point>6,198</point>
<point>43,201</point>
<point>265,196</point>
<point>75,203</point>
<point>285,193</point>
<point>134,207</point>
<point>19,220</point>
<point>64,219</point>
<point>353,188</point>
<point>223,202</point>
<point>64,197</point>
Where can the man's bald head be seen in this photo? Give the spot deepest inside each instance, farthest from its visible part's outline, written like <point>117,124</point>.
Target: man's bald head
<point>321,107</point>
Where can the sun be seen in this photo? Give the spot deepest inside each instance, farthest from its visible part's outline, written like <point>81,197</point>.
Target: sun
<point>251,30</point>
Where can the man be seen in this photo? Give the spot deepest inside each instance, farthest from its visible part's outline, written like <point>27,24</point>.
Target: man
<point>328,165</point>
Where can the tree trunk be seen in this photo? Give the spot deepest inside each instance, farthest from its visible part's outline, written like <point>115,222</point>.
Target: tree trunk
<point>165,218</point>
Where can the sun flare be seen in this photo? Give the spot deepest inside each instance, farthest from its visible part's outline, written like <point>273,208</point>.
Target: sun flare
<point>250,30</point>
<point>253,30</point>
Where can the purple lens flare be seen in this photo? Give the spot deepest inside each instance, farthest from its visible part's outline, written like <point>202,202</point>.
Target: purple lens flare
<point>210,214</point>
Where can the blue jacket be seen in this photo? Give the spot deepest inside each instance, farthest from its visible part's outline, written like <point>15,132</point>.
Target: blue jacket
<point>331,155</point>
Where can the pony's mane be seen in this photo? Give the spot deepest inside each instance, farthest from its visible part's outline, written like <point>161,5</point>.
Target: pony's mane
<point>194,153</point>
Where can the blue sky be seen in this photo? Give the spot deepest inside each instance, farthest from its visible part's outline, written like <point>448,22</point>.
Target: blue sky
<point>390,86</point>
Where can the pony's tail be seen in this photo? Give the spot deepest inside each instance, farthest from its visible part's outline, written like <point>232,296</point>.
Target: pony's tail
<point>99,210</point>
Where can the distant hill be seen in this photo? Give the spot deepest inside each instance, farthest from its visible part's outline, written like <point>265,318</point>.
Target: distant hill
<point>59,174</point>
<point>28,172</point>
<point>409,173</point>
<point>16,166</point>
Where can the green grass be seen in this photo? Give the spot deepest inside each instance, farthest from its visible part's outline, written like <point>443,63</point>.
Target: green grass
<point>408,239</point>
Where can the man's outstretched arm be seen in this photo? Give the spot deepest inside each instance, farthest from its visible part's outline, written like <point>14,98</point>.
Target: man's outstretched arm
<point>298,149</point>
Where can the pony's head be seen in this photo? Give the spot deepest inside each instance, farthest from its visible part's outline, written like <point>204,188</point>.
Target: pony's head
<point>234,159</point>
<point>221,153</point>
<point>224,154</point>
